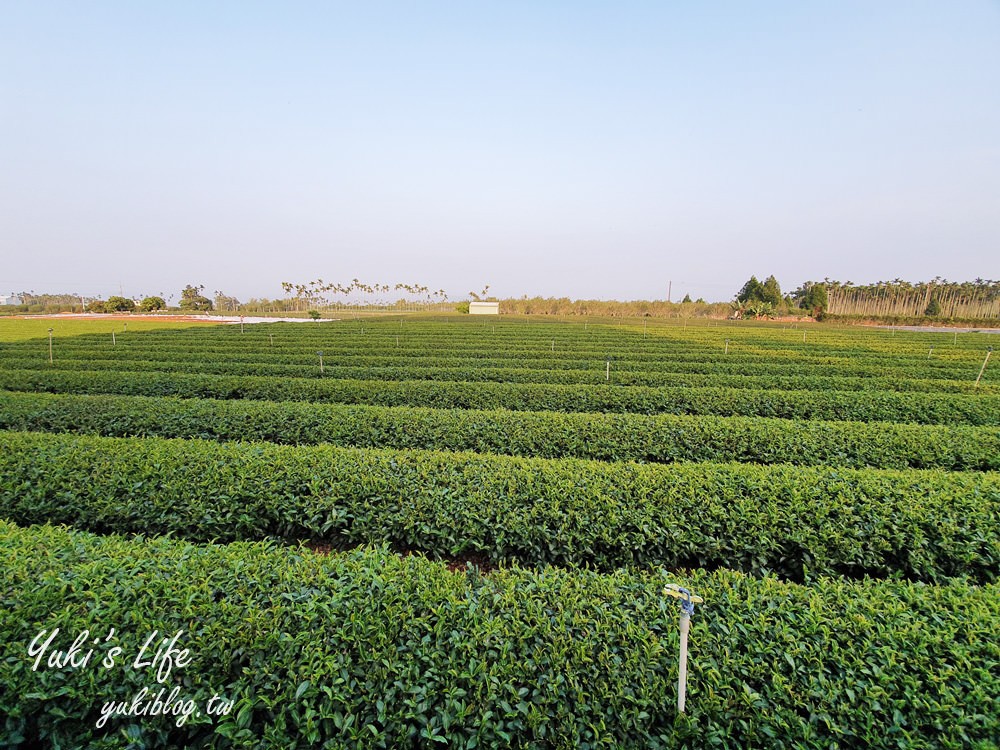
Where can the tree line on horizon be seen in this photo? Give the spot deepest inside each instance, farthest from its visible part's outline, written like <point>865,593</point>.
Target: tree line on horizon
<point>938,298</point>
<point>884,300</point>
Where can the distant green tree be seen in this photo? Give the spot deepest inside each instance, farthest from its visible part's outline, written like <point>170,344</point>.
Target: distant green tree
<point>314,314</point>
<point>752,291</point>
<point>812,297</point>
<point>119,304</point>
<point>771,292</point>
<point>151,304</point>
<point>687,298</point>
<point>934,308</point>
<point>97,306</point>
<point>760,309</point>
<point>192,299</point>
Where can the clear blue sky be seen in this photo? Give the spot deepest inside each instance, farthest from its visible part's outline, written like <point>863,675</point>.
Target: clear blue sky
<point>581,149</point>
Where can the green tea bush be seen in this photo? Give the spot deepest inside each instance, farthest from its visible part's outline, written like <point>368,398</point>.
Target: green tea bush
<point>758,375</point>
<point>370,650</point>
<point>855,406</point>
<point>799,522</point>
<point>609,437</point>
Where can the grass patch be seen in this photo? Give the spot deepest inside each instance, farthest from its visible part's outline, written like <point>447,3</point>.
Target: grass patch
<point>23,329</point>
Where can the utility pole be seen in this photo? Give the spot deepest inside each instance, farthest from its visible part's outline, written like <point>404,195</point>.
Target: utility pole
<point>670,286</point>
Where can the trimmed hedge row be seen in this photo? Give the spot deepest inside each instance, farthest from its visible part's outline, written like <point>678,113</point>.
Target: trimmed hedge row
<point>557,350</point>
<point>794,521</point>
<point>949,368</point>
<point>606,437</point>
<point>369,650</point>
<point>919,408</point>
<point>574,373</point>
<point>695,344</point>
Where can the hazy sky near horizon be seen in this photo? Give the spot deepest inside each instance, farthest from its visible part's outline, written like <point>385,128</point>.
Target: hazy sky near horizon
<point>580,149</point>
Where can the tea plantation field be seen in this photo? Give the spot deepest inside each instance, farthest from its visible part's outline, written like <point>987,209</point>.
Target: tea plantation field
<point>455,532</point>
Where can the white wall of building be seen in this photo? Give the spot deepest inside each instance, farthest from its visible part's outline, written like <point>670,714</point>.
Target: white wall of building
<point>484,308</point>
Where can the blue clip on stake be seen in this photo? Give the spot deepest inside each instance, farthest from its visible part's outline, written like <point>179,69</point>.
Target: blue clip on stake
<point>687,602</point>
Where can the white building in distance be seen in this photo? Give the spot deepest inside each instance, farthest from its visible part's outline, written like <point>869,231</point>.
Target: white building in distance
<point>484,308</point>
<point>10,299</point>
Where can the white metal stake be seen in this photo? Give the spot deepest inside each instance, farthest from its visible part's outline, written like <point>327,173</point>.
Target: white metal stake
<point>981,369</point>
<point>113,342</point>
<point>929,352</point>
<point>682,670</point>
<point>607,373</point>
<point>727,346</point>
<point>271,336</point>
<point>687,602</point>
<point>50,346</point>
<point>320,362</point>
